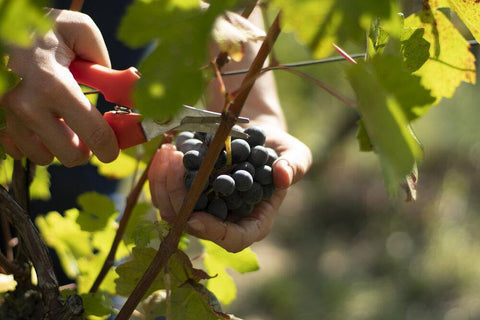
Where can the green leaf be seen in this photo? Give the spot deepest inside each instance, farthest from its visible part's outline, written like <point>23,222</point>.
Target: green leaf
<point>407,89</point>
<point>450,60</point>
<point>19,19</point>
<point>385,121</point>
<point>171,74</point>
<point>468,12</point>
<point>415,49</point>
<point>322,23</point>
<point>179,271</point>
<point>97,209</point>
<point>97,304</point>
<point>217,260</point>
<point>191,301</point>
<point>40,187</point>
<point>64,235</point>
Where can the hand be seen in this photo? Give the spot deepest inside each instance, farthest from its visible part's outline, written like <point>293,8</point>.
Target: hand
<point>47,114</point>
<point>168,192</point>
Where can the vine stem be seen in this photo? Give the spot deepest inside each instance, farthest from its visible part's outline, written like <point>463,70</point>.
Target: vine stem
<point>76,5</point>
<point>132,200</point>
<point>37,253</point>
<point>170,244</point>
<point>322,85</point>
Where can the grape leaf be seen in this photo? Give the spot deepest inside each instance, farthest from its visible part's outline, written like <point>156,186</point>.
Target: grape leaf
<point>122,167</point>
<point>450,61</point>
<point>190,301</point>
<point>322,23</point>
<point>97,209</point>
<point>64,235</point>
<point>180,270</point>
<point>18,31</point>
<point>232,31</point>
<point>217,260</point>
<point>415,49</point>
<point>98,304</point>
<point>171,74</point>
<point>467,10</point>
<point>385,121</point>
<point>40,187</point>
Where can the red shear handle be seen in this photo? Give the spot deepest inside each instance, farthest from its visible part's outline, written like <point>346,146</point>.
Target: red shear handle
<point>127,128</point>
<point>115,85</point>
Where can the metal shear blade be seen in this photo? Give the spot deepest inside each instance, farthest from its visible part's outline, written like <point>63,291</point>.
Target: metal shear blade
<point>190,119</point>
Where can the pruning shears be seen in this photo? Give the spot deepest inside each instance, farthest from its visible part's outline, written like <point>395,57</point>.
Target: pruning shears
<point>131,128</point>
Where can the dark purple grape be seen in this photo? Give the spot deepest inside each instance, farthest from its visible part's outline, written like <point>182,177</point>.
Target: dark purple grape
<point>256,136</point>
<point>258,156</point>
<point>244,210</point>
<point>190,144</point>
<point>240,150</point>
<point>243,180</point>
<point>221,160</point>
<point>224,185</point>
<point>268,191</point>
<point>254,194</point>
<point>272,156</point>
<point>202,202</point>
<point>263,175</point>
<point>218,208</point>
<point>233,201</point>
<point>247,166</point>
<point>182,137</point>
<point>193,159</point>
<point>189,177</point>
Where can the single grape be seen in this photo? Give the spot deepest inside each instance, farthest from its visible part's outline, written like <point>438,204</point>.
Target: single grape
<point>221,160</point>
<point>218,208</point>
<point>264,175</point>
<point>224,185</point>
<point>247,166</point>
<point>233,201</point>
<point>182,137</point>
<point>191,144</point>
<point>202,202</point>
<point>243,180</point>
<point>256,136</point>
<point>244,210</point>
<point>189,177</point>
<point>240,150</point>
<point>254,194</point>
<point>272,156</point>
<point>258,156</point>
<point>268,191</point>
<point>193,159</point>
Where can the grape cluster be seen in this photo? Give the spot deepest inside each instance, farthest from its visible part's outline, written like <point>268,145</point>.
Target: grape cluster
<point>239,180</point>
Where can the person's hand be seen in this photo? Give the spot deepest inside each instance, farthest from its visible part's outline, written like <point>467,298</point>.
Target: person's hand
<point>47,114</point>
<point>168,192</point>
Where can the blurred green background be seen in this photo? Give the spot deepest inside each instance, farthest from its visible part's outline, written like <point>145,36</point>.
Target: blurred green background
<point>341,248</point>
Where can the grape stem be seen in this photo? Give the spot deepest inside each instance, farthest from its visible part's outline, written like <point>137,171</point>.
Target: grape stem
<point>170,244</point>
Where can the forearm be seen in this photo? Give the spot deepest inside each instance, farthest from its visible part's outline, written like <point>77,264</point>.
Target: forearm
<point>262,105</point>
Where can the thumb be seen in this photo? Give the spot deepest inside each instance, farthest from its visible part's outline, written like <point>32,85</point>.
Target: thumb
<point>293,163</point>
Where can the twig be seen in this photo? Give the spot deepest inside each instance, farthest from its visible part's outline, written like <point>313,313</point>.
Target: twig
<point>170,243</point>
<point>296,64</point>
<point>132,200</point>
<point>322,85</point>
<point>76,5</point>
<point>7,265</point>
<point>37,253</point>
<point>7,236</point>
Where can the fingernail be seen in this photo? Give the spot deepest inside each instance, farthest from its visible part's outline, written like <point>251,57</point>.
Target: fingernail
<point>196,225</point>
<point>287,167</point>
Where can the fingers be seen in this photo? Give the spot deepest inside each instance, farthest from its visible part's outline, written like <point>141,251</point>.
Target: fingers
<point>294,162</point>
<point>24,142</point>
<point>166,181</point>
<point>236,236</point>
<point>82,36</point>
